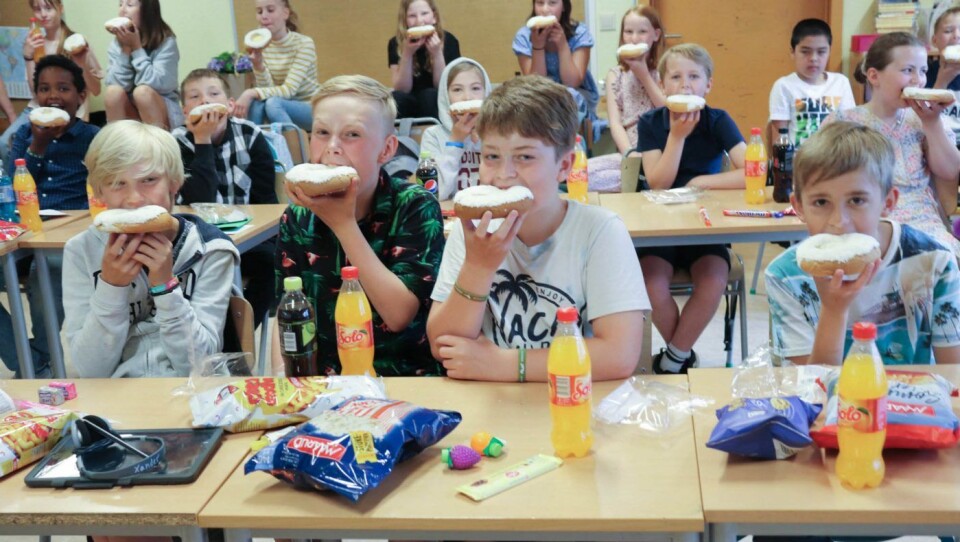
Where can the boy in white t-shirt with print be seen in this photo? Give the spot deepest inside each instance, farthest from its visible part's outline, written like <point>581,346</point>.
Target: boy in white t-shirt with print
<point>497,294</point>
<point>800,101</point>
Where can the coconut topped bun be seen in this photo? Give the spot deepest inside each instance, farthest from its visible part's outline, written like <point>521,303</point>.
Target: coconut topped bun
<point>198,112</point>
<point>318,179</point>
<point>147,219</point>
<point>632,50</point>
<point>468,106</point>
<point>541,21</point>
<point>473,202</point>
<point>257,39</point>
<point>74,44</point>
<point>49,117</point>
<point>117,23</point>
<point>941,96</point>
<point>418,32</point>
<point>685,103</point>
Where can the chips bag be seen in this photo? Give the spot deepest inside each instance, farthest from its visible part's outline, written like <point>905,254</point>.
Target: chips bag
<point>28,434</point>
<point>253,404</point>
<point>768,428</point>
<point>919,412</point>
<point>351,448</point>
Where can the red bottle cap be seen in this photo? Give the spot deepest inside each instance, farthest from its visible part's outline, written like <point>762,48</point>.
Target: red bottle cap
<point>350,273</point>
<point>567,314</point>
<point>20,162</point>
<point>754,131</point>
<point>864,331</point>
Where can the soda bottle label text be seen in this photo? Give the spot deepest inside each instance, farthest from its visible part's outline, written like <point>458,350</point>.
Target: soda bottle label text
<point>862,415</point>
<point>756,168</point>
<point>569,390</point>
<point>355,337</point>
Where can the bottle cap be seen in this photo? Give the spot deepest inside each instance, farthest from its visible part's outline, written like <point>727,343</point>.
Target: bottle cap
<point>20,162</point>
<point>291,284</point>
<point>579,139</point>
<point>350,273</point>
<point>567,314</point>
<point>783,130</point>
<point>864,331</point>
<point>424,154</point>
<point>754,131</point>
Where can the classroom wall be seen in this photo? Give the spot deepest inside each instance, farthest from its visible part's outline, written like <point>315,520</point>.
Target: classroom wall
<point>484,29</point>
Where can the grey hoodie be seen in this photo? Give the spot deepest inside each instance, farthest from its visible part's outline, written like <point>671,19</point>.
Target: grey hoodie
<point>459,167</point>
<point>124,331</point>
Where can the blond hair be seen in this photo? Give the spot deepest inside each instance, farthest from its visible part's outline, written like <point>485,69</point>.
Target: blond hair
<point>125,144</point>
<point>65,31</point>
<point>690,51</point>
<point>401,36</point>
<point>840,148</point>
<point>651,15</point>
<point>364,88</point>
<point>533,107</point>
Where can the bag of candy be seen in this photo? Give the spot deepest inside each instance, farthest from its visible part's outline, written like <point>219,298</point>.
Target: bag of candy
<point>252,404</point>
<point>28,434</point>
<point>919,412</point>
<point>353,447</point>
<point>767,428</point>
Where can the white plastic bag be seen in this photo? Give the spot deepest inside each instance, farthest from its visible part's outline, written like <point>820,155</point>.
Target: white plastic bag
<point>654,407</point>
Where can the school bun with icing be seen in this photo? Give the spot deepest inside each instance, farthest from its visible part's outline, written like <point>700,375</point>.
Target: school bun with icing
<point>472,203</point>
<point>49,117</point>
<point>940,96</point>
<point>822,254</point>
<point>147,219</point>
<point>319,180</point>
<point>198,112</point>
<point>685,103</point>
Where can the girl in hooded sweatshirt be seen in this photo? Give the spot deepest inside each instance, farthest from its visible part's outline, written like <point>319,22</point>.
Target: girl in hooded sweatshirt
<point>455,144</point>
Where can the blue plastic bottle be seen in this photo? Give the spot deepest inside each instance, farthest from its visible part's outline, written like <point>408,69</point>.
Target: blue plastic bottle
<point>8,199</point>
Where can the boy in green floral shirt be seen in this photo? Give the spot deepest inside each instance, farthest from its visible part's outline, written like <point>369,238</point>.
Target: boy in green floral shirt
<point>391,230</point>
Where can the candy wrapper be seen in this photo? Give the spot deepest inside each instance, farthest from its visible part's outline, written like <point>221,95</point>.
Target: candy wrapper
<point>253,404</point>
<point>352,448</point>
<point>10,230</point>
<point>767,428</point>
<point>28,434</point>
<point>919,412</point>
<point>686,194</point>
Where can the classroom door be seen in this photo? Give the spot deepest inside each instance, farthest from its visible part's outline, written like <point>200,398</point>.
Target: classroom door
<point>749,41</point>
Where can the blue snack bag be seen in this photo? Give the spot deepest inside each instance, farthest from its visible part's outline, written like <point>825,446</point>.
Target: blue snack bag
<point>351,448</point>
<point>768,428</point>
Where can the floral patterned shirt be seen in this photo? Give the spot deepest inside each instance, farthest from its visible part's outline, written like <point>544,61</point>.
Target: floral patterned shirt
<point>918,205</point>
<point>405,229</point>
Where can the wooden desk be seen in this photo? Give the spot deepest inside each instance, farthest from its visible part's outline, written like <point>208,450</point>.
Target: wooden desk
<point>129,403</point>
<point>652,224</point>
<point>802,495</point>
<point>13,252</point>
<point>628,484</point>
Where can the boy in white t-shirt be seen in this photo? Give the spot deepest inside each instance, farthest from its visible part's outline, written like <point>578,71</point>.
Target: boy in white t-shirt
<point>800,101</point>
<point>497,294</point>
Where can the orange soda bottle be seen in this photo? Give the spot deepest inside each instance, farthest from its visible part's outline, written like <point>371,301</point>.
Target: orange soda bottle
<point>28,204</point>
<point>577,181</point>
<point>755,169</point>
<point>35,29</point>
<point>568,374</point>
<point>862,411</point>
<point>96,204</point>
<point>354,321</point>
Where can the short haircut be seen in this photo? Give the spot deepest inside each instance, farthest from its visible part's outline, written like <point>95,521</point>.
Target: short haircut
<point>840,148</point>
<point>533,107</point>
<point>64,63</point>
<point>124,144</point>
<point>810,27</point>
<point>949,11</point>
<point>202,73</point>
<point>364,88</point>
<point>690,51</point>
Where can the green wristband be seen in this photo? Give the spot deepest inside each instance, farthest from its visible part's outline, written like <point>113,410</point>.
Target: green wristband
<point>522,364</point>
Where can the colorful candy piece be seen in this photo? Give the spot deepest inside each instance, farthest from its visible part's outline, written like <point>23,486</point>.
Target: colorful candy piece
<point>460,457</point>
<point>51,396</point>
<point>69,389</point>
<point>487,444</point>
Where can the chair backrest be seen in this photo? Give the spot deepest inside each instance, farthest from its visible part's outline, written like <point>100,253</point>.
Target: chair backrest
<point>631,169</point>
<point>238,329</point>
<point>289,142</point>
<point>413,127</point>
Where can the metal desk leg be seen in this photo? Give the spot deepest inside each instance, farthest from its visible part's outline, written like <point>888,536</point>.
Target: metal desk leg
<point>22,342</point>
<point>50,315</point>
<point>756,268</point>
<point>722,532</point>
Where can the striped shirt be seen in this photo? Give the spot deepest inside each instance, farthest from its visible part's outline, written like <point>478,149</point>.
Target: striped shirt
<point>290,69</point>
<point>60,174</point>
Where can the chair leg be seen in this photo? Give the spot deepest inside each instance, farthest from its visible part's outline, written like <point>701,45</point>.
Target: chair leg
<point>264,357</point>
<point>744,343</point>
<point>756,267</point>
<point>728,316</point>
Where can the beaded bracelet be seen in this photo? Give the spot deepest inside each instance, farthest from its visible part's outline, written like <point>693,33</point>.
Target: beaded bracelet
<point>522,364</point>
<point>468,295</point>
<point>165,288</point>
